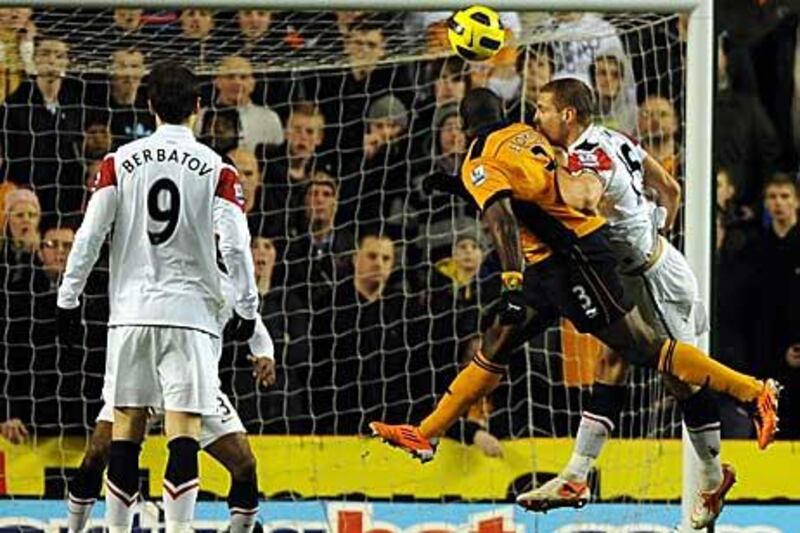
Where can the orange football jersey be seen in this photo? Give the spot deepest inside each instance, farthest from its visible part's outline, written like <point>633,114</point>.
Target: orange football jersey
<point>518,162</point>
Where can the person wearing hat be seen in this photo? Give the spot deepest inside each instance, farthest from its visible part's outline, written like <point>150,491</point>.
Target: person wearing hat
<point>449,142</point>
<point>387,119</point>
<point>374,187</point>
<point>437,211</point>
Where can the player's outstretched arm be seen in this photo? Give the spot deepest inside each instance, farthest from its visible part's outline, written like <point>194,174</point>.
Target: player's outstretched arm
<point>89,239</point>
<point>667,187</point>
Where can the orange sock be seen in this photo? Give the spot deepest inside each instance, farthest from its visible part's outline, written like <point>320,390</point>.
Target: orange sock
<point>692,366</point>
<point>475,381</point>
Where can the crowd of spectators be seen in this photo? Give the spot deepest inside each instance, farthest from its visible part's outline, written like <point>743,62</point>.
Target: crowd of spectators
<point>373,285</point>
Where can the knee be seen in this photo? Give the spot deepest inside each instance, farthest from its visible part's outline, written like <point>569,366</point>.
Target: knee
<point>244,469</point>
<point>96,457</point>
<point>644,344</point>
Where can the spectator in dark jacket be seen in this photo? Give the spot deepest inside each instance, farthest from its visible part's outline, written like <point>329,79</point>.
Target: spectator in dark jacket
<point>288,168</point>
<point>746,142</point>
<point>42,131</point>
<point>346,96</point>
<point>318,257</point>
<point>123,98</point>
<point>377,356</point>
<point>375,192</point>
<point>778,317</point>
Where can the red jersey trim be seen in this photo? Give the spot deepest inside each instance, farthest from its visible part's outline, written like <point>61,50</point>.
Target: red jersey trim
<point>229,188</point>
<point>106,176</point>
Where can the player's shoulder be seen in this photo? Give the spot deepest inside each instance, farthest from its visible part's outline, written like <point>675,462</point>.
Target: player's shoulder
<point>612,137</point>
<point>129,147</point>
<point>516,136</point>
<point>518,133</point>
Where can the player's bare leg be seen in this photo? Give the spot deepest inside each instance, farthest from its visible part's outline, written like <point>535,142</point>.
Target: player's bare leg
<point>478,379</point>
<point>234,453</point>
<point>639,344</point>
<point>181,481</point>
<point>84,487</point>
<point>122,482</point>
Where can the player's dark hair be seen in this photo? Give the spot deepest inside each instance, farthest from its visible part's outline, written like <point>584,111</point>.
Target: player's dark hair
<point>172,90</point>
<point>570,92</point>
<point>781,179</point>
<point>479,108</point>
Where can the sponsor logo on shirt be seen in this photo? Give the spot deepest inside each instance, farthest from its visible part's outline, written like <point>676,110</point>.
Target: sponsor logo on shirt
<point>238,190</point>
<point>478,176</point>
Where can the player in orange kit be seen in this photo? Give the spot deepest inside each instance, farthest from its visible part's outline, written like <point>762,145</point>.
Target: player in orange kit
<point>534,212</point>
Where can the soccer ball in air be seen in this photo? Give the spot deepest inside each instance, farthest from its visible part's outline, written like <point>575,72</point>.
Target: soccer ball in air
<point>475,33</point>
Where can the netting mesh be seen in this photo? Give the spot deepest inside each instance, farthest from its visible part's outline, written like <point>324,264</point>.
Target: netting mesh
<point>336,121</point>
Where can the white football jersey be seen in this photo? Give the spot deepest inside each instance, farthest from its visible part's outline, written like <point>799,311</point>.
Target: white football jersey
<point>619,161</point>
<point>167,196</point>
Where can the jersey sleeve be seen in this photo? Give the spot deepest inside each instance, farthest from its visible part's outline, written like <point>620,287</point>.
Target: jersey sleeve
<point>100,214</point>
<point>261,344</point>
<point>229,187</point>
<point>598,161</point>
<point>234,243</point>
<point>485,181</point>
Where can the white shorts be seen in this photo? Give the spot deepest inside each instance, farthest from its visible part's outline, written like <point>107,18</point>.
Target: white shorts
<point>173,368</point>
<point>666,295</point>
<point>224,421</point>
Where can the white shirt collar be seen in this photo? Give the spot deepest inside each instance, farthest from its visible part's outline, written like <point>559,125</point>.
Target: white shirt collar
<point>175,130</point>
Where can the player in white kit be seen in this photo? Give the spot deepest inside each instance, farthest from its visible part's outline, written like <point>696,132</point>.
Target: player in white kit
<point>167,196</point>
<point>222,436</point>
<point>654,274</point>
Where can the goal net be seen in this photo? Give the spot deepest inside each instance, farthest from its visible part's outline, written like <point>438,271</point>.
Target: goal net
<point>373,286</point>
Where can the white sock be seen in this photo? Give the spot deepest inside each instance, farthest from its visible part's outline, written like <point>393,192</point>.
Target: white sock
<point>593,432</point>
<point>243,520</point>
<point>706,444</point>
<point>119,508</point>
<point>179,504</point>
<point>79,511</point>
<point>178,527</point>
